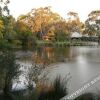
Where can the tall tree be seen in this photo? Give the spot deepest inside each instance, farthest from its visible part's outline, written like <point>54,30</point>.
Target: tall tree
<point>4,7</point>
<point>92,24</point>
<point>40,20</point>
<point>73,22</point>
<point>4,11</point>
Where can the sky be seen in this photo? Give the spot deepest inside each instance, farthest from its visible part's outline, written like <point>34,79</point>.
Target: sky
<point>62,7</point>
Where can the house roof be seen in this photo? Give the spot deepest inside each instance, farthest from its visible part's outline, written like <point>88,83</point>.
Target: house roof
<point>76,34</point>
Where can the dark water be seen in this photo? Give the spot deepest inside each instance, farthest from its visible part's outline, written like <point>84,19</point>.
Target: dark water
<point>47,55</point>
<point>83,63</point>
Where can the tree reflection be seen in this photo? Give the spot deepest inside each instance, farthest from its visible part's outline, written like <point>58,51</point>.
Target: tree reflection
<point>49,55</point>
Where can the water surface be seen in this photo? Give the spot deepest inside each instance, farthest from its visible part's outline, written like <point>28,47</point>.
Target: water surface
<point>83,63</point>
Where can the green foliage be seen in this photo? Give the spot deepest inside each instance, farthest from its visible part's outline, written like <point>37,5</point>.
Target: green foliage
<point>4,45</point>
<point>23,33</point>
<point>9,70</point>
<point>92,24</point>
<point>60,36</point>
<point>8,32</point>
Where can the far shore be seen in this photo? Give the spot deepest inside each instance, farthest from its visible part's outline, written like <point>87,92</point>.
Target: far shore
<point>66,43</point>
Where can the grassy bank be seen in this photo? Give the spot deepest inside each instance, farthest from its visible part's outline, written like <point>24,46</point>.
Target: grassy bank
<point>64,43</point>
<point>5,44</point>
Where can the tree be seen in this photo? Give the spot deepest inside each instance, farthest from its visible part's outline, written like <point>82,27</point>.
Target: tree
<point>23,33</point>
<point>8,32</point>
<point>73,23</point>
<point>40,20</point>
<point>92,24</point>
<point>3,10</point>
<point>4,7</point>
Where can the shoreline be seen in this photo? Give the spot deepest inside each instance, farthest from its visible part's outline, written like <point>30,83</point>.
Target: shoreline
<point>66,43</point>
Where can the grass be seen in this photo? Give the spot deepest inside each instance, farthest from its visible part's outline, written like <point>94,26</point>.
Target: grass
<point>55,91</point>
<point>63,43</point>
<point>43,43</point>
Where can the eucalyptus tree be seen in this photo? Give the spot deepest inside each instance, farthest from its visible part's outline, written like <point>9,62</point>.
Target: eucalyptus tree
<point>4,7</point>
<point>73,22</point>
<point>92,24</point>
<point>40,20</point>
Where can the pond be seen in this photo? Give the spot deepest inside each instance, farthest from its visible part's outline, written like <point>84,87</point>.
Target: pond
<point>83,63</point>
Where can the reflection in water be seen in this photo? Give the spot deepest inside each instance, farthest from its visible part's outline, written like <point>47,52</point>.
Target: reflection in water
<point>82,66</point>
<point>49,55</point>
<point>82,62</point>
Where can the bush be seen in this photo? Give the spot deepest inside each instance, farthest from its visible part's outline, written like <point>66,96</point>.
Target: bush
<point>60,36</point>
<point>4,45</point>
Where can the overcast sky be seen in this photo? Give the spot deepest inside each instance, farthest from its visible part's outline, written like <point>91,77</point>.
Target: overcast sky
<point>82,7</point>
